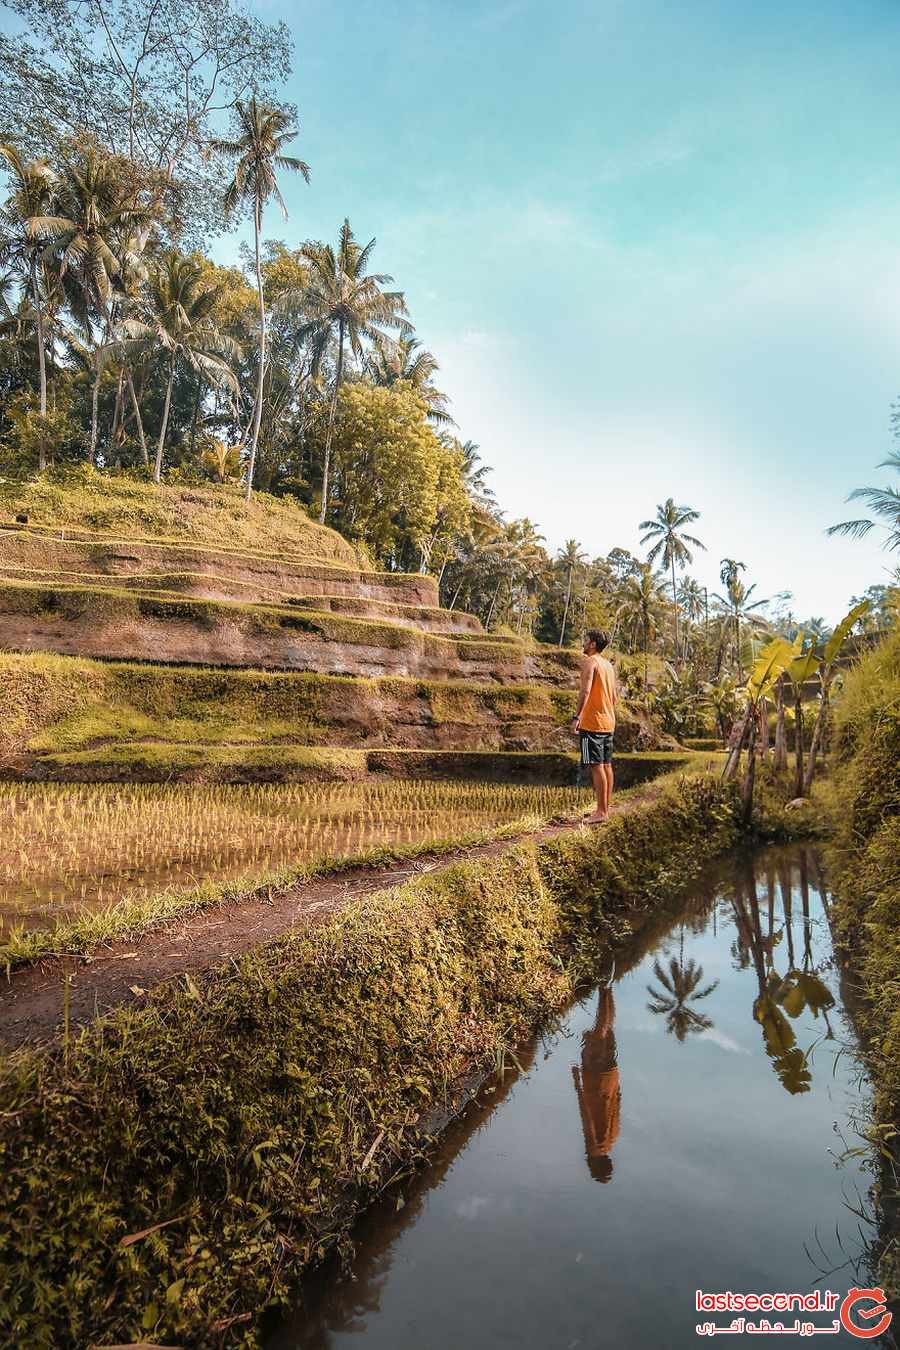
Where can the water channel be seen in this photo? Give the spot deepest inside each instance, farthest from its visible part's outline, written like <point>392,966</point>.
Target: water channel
<point>681,1128</point>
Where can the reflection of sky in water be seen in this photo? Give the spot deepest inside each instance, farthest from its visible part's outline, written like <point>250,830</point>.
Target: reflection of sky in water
<point>718,1174</point>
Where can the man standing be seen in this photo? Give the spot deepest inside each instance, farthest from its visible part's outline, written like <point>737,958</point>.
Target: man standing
<point>595,719</point>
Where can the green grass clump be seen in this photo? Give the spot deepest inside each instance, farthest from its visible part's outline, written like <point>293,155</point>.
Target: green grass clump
<point>254,1110</point>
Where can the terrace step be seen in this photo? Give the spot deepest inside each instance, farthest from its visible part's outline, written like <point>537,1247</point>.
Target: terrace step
<point>152,762</point>
<point>58,704</point>
<point>206,586</point>
<point>54,550</point>
<point>122,624</point>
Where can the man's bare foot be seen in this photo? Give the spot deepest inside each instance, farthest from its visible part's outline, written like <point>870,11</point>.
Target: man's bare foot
<point>595,818</point>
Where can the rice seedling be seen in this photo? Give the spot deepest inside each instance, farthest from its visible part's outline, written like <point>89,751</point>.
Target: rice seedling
<point>71,848</point>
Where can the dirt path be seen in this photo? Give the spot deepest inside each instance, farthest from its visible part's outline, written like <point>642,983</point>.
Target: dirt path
<point>31,999</point>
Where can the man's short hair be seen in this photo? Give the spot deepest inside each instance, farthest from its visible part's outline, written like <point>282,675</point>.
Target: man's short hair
<point>599,637</point>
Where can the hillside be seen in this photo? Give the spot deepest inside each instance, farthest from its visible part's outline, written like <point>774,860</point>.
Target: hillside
<point>158,633</point>
<point>89,503</point>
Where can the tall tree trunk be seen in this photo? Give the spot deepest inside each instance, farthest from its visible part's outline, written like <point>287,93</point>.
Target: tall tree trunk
<point>562,631</point>
<point>763,728</point>
<point>157,468</point>
<point>780,758</point>
<point>750,773</point>
<point>42,362</point>
<point>138,420</point>
<point>117,410</point>
<point>196,415</point>
<point>735,745</point>
<point>818,729</point>
<point>257,409</point>
<point>326,467</point>
<point>95,397</point>
<point>798,744</point>
<point>737,646</point>
<point>675,614</point>
<point>487,622</point>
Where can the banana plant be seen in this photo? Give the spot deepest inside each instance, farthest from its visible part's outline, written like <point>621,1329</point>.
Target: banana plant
<point>803,665</point>
<point>827,669</point>
<point>767,669</point>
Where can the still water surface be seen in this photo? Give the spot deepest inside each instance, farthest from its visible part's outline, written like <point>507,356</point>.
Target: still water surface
<point>678,1130</point>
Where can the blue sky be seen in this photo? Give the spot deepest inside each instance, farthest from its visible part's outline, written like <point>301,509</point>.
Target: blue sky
<point>654,246</point>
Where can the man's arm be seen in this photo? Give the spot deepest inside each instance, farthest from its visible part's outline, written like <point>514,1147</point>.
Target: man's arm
<point>584,688</point>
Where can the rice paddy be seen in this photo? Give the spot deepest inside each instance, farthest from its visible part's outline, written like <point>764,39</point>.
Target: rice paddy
<point>71,848</point>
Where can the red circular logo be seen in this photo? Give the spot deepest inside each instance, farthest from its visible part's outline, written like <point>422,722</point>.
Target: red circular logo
<point>876,1298</point>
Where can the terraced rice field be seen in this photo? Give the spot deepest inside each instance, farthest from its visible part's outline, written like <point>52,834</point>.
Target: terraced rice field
<point>74,847</point>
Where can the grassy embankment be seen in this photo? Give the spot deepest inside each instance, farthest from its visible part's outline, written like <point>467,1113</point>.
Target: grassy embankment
<point>244,1118</point>
<point>112,507</point>
<point>74,712</point>
<point>863,797</point>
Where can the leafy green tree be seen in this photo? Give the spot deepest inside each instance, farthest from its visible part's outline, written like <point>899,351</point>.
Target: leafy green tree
<point>673,543</point>
<point>393,481</point>
<point>263,129</point>
<point>407,360</point>
<point>343,303</point>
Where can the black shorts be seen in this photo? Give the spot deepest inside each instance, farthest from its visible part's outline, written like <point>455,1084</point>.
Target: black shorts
<point>596,747</point>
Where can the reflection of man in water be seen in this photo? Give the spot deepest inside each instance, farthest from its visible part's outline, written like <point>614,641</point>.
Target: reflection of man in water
<point>597,1086</point>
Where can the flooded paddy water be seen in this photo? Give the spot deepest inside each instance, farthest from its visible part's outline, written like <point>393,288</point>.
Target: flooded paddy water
<point>73,847</point>
<point>680,1129</point>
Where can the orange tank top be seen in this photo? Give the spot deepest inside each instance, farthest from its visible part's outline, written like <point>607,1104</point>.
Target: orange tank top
<point>599,711</point>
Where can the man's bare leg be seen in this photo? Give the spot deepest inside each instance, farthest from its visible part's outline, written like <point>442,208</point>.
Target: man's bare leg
<point>610,779</point>
<point>598,778</point>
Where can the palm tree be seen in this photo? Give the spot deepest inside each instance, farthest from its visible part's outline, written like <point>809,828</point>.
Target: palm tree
<point>640,605</point>
<point>570,559</point>
<point>672,543</point>
<point>263,129</point>
<point>680,987</point>
<point>407,360</point>
<point>31,197</point>
<point>883,503</point>
<point>94,206</point>
<point>740,609</point>
<point>474,473</point>
<point>178,309</point>
<point>692,599</point>
<point>343,301</point>
<point>519,559</point>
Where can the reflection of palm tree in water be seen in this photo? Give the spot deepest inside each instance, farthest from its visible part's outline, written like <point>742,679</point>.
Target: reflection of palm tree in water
<point>597,1086</point>
<point>680,987</point>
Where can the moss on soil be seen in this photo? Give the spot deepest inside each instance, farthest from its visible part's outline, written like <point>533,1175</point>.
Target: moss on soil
<point>244,1117</point>
<point>113,605</point>
<point>57,703</point>
<point>122,505</point>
